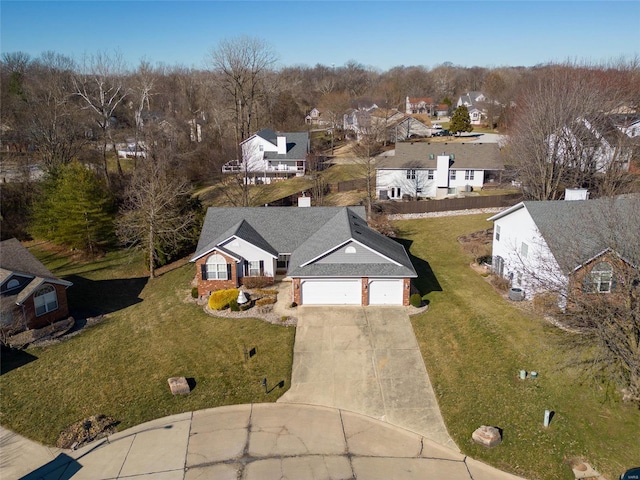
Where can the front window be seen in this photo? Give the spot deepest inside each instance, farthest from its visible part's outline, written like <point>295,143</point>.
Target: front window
<point>411,174</point>
<point>452,174</point>
<point>468,174</point>
<point>524,250</point>
<point>600,280</point>
<point>497,233</point>
<point>254,269</point>
<point>216,268</point>
<point>430,175</point>
<point>45,300</point>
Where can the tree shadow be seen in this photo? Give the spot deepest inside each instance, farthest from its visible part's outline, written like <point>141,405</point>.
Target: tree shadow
<point>13,358</point>
<point>63,467</point>
<point>88,298</point>
<point>426,281</point>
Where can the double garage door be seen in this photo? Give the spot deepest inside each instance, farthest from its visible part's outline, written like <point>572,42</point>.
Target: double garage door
<point>349,292</point>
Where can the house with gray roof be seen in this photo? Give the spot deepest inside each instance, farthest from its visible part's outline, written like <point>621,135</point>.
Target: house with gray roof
<point>270,156</point>
<point>330,254</point>
<point>31,296</point>
<point>545,245</point>
<point>435,170</point>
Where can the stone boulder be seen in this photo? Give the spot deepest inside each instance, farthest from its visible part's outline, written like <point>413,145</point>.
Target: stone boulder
<point>487,436</point>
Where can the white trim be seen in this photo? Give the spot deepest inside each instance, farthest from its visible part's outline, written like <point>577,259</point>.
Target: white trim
<point>248,242</point>
<point>333,249</point>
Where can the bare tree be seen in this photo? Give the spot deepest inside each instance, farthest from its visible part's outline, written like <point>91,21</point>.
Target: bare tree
<point>366,149</point>
<point>558,137</point>
<point>56,126</point>
<point>154,215</point>
<point>100,83</point>
<point>240,65</point>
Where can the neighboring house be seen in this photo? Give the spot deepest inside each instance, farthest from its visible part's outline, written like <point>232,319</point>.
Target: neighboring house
<point>329,253</point>
<point>421,105</point>
<point>406,128</point>
<point>474,103</point>
<point>566,246</point>
<point>314,117</point>
<point>32,297</point>
<point>435,170</point>
<point>442,110</point>
<point>269,156</point>
<point>593,146</point>
<point>129,150</point>
<point>358,120</point>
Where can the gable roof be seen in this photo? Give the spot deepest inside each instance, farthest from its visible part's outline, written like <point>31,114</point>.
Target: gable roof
<point>15,259</point>
<point>306,234</point>
<point>580,230</point>
<point>479,156</point>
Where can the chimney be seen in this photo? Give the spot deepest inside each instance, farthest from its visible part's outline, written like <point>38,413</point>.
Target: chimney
<point>282,145</point>
<point>304,201</point>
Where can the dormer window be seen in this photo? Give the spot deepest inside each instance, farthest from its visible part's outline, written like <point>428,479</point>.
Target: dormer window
<point>350,249</point>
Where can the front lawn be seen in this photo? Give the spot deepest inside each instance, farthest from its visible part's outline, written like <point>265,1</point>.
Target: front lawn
<point>474,344</point>
<point>120,367</point>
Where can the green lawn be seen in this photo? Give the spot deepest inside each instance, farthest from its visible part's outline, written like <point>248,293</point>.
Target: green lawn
<point>120,367</point>
<point>474,344</point>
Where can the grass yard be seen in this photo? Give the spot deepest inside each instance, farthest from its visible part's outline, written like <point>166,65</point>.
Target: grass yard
<point>120,367</point>
<point>474,344</point>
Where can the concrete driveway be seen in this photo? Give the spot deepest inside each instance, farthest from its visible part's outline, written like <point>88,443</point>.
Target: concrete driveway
<point>365,360</point>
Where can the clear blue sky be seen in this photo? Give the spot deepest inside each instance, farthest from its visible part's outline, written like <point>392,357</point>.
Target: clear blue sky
<point>381,34</point>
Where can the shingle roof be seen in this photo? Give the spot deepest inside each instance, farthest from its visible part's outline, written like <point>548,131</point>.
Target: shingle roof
<point>306,234</point>
<point>479,156</point>
<point>580,230</point>
<point>296,146</point>
<point>16,258</point>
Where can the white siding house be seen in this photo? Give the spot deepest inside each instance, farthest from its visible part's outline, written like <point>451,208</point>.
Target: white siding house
<point>436,170</point>
<point>269,155</point>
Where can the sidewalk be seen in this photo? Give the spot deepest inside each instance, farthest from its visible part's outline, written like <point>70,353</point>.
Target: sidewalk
<point>256,442</point>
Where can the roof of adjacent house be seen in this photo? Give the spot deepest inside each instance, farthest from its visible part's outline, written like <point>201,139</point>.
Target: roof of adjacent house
<point>579,231</point>
<point>15,259</point>
<point>426,100</point>
<point>307,234</point>
<point>478,156</point>
<point>297,144</point>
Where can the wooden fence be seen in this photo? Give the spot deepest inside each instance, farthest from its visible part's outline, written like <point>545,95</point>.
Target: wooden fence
<point>348,185</point>
<point>447,204</point>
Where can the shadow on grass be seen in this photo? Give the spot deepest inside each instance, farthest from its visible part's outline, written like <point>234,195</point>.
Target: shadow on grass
<point>426,281</point>
<point>13,358</point>
<point>89,298</point>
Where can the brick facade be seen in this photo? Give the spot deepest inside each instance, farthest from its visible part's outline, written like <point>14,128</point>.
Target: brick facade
<point>48,318</point>
<point>406,292</point>
<point>364,291</point>
<point>205,287</point>
<point>295,285</point>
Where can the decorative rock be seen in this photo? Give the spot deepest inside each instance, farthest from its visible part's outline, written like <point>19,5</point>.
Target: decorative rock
<point>487,436</point>
<point>179,386</point>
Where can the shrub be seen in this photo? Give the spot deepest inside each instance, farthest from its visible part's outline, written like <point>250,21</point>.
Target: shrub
<point>220,299</point>
<point>233,306</point>
<point>500,283</point>
<point>194,292</point>
<point>265,301</point>
<point>257,282</point>
<point>266,291</point>
<point>415,300</point>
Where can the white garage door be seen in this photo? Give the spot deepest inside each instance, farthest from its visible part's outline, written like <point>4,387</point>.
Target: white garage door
<point>331,292</point>
<point>385,291</point>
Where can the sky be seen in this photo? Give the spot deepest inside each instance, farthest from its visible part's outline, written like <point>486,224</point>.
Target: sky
<point>377,34</point>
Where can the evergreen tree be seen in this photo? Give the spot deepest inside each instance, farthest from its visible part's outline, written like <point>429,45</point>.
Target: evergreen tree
<point>460,121</point>
<point>76,210</point>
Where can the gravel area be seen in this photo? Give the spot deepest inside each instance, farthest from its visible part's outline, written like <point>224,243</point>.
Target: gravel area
<point>449,213</point>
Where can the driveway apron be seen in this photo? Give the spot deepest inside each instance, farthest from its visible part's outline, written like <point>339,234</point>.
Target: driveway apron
<point>366,360</point>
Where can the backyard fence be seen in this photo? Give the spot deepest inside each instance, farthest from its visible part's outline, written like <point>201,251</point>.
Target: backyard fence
<point>447,204</point>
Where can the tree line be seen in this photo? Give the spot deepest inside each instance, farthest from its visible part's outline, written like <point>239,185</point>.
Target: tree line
<point>66,117</point>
